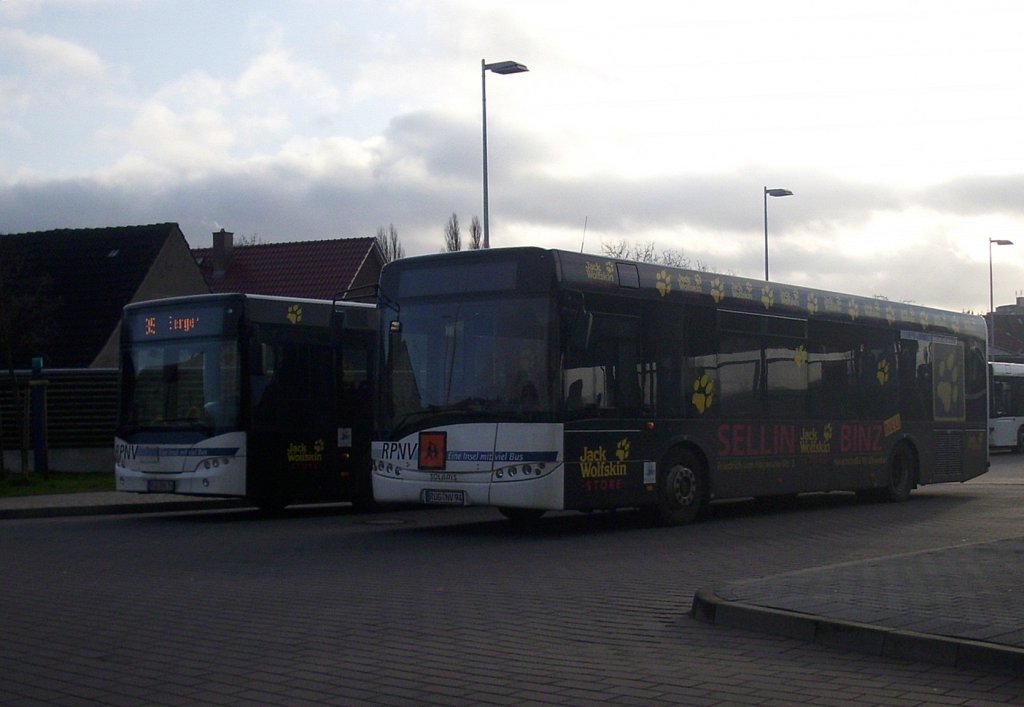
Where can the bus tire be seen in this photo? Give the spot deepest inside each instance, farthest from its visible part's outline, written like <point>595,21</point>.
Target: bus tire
<point>902,473</point>
<point>682,488</point>
<point>521,515</point>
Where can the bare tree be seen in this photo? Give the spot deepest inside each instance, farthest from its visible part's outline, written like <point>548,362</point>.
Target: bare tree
<point>452,239</point>
<point>476,234</point>
<point>646,253</point>
<point>389,244</point>
<point>247,239</point>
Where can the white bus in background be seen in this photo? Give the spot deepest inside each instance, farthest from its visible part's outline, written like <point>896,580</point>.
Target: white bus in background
<point>1006,406</point>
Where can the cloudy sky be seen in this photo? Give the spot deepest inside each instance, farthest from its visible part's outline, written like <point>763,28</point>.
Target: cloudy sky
<point>897,124</point>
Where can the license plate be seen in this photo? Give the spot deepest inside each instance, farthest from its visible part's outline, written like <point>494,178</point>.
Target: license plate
<point>437,497</point>
<point>160,486</point>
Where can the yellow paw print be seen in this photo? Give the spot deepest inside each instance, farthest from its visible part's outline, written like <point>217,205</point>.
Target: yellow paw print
<point>622,450</point>
<point>890,314</point>
<point>318,446</point>
<point>812,303</point>
<point>883,372</point>
<point>295,314</point>
<point>703,393</point>
<point>827,432</point>
<point>663,283</point>
<point>690,283</point>
<point>854,310</point>
<point>717,290</point>
<point>948,388</point>
<point>800,356</point>
<point>767,296</point>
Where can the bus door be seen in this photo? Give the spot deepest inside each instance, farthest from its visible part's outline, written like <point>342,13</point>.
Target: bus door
<point>604,381</point>
<point>355,413</point>
<point>293,450</point>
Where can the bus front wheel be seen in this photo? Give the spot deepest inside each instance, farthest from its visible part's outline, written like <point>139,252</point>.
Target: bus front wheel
<point>682,488</point>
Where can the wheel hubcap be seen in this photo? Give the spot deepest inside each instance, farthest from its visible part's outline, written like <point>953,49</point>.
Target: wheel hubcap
<point>682,486</point>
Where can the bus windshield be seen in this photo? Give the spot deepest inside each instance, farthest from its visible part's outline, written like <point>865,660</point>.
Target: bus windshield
<point>469,356</point>
<point>187,385</point>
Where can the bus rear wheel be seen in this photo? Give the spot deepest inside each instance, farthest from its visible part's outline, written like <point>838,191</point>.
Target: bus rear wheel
<point>682,488</point>
<point>902,474</point>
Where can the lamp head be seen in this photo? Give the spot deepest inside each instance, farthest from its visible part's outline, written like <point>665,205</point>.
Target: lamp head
<point>506,67</point>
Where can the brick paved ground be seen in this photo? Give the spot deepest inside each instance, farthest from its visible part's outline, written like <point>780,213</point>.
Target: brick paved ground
<point>458,607</point>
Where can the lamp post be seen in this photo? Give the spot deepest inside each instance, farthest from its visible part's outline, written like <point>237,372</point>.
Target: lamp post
<point>499,67</point>
<point>770,192</point>
<point>991,299</point>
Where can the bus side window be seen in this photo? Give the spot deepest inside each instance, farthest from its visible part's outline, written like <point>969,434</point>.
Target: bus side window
<point>354,395</point>
<point>699,384</point>
<point>915,379</point>
<point>976,379</point>
<point>606,375</point>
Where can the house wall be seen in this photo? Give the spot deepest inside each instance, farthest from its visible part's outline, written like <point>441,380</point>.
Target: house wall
<point>173,273</point>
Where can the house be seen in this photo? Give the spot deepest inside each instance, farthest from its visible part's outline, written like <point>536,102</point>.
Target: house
<point>63,294</point>
<point>79,280</point>
<point>309,269</point>
<point>66,289</point>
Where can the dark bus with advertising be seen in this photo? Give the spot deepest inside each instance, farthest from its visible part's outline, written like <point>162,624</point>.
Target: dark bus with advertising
<point>263,398</point>
<point>533,380</point>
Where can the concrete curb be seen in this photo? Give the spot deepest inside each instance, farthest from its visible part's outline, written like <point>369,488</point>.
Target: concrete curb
<point>119,509</point>
<point>863,638</point>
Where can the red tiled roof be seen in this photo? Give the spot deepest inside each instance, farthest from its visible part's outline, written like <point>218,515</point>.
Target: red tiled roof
<point>312,269</point>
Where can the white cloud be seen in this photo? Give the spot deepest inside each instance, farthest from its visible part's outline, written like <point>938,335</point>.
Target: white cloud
<point>894,124</point>
<point>277,76</point>
<point>53,55</point>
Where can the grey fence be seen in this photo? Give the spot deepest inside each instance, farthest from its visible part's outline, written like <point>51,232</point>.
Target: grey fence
<point>81,408</point>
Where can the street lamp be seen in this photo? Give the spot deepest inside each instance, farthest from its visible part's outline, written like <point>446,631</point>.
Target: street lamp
<point>770,192</point>
<point>991,302</point>
<point>499,67</point>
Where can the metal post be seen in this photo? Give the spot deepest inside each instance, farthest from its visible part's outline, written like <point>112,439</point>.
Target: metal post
<point>483,104</point>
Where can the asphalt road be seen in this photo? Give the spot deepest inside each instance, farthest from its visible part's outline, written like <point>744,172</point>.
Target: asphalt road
<point>456,607</point>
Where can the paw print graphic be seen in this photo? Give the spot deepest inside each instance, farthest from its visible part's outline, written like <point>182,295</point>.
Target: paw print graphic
<point>883,372</point>
<point>890,315</point>
<point>924,319</point>
<point>800,356</point>
<point>812,303</point>
<point>948,387</point>
<point>853,310</point>
<point>295,314</point>
<point>690,283</point>
<point>717,290</point>
<point>318,446</point>
<point>663,283</point>
<point>827,433</point>
<point>767,296</point>
<point>703,393</point>
<point>622,450</point>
